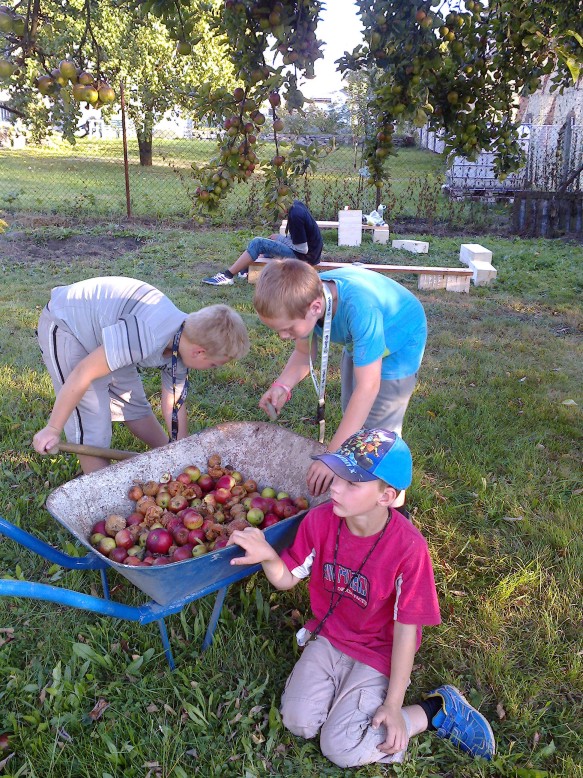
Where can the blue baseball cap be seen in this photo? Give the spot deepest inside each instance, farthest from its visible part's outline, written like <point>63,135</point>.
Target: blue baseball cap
<point>372,454</point>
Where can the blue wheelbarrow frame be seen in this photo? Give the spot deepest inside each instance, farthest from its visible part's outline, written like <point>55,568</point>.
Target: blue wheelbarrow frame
<point>280,535</point>
<point>270,454</point>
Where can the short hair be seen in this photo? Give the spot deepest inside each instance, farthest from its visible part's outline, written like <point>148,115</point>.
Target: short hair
<point>286,286</point>
<point>219,330</point>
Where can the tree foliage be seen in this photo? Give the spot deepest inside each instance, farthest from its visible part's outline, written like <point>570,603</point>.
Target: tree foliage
<point>459,65</point>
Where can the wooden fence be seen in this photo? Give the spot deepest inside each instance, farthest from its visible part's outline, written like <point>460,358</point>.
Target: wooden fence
<point>548,214</point>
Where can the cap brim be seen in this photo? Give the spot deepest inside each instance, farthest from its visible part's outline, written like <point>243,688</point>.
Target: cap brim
<point>344,468</point>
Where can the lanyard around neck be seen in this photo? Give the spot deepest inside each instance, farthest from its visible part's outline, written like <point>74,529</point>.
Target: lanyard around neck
<point>336,596</point>
<point>320,386</point>
<point>177,403</point>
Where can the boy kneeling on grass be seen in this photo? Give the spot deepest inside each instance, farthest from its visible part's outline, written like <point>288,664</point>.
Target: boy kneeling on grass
<point>371,590</point>
<point>94,336</point>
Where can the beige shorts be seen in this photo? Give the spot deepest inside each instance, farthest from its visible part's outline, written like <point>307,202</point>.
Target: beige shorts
<point>331,693</point>
<point>118,396</point>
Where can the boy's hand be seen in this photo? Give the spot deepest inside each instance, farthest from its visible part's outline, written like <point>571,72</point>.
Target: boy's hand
<point>319,478</point>
<point>46,439</point>
<point>397,737</point>
<point>257,549</point>
<point>276,396</point>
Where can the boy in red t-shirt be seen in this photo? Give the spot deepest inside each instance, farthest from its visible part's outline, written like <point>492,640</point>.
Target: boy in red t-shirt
<point>371,591</point>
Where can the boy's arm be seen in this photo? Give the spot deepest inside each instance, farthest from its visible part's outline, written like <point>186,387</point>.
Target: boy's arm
<point>389,713</point>
<point>296,369</point>
<point>258,551</point>
<point>367,385</point>
<point>69,395</point>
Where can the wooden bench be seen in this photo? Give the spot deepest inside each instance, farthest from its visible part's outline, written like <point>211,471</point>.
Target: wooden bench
<point>454,279</point>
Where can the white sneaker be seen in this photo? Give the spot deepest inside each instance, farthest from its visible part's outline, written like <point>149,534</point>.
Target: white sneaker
<point>242,274</point>
<point>220,279</point>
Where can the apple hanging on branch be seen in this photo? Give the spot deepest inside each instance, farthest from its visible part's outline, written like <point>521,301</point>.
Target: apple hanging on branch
<point>461,67</point>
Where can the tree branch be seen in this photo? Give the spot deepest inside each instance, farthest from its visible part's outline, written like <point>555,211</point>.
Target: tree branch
<point>569,180</point>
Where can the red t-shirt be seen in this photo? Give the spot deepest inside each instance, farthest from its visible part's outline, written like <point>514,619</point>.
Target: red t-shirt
<point>395,584</point>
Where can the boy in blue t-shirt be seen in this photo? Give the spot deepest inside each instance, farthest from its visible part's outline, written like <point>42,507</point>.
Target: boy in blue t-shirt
<point>381,325</point>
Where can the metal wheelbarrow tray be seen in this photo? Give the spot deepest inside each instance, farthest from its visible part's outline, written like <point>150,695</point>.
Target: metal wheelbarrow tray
<point>269,454</point>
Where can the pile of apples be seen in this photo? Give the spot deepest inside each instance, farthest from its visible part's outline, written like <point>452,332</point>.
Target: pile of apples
<point>175,519</point>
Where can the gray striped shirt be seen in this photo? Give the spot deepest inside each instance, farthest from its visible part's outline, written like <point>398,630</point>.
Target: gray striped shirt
<point>133,321</point>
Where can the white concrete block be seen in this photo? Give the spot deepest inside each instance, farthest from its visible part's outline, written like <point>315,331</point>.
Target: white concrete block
<point>380,234</point>
<point>415,246</point>
<point>473,251</point>
<point>430,281</point>
<point>349,228</point>
<point>457,284</point>
<point>484,273</point>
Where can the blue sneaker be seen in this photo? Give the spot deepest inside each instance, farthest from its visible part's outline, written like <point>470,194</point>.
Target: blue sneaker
<point>459,722</point>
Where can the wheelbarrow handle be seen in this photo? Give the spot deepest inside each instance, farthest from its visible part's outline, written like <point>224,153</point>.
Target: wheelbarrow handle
<point>90,561</point>
<point>93,451</point>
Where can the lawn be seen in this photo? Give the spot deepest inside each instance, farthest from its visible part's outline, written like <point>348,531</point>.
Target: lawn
<point>88,179</point>
<point>495,427</point>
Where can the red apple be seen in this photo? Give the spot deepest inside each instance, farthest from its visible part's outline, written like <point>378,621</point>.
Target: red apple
<point>220,542</point>
<point>221,495</point>
<point>134,518</point>
<point>196,536</point>
<point>159,541</point>
<point>163,499</point>
<point>99,527</point>
<point>134,561</point>
<point>118,554</point>
<point>192,519</point>
<point>124,539</point>
<point>250,485</point>
<point>301,503</point>
<point>182,553</point>
<point>226,482</point>
<point>177,503</point>
<point>206,482</point>
<point>161,560</point>
<point>183,478</point>
<point>180,535</point>
<point>268,520</point>
<point>193,471</point>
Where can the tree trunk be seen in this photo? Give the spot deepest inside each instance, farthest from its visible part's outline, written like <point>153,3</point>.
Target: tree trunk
<point>145,147</point>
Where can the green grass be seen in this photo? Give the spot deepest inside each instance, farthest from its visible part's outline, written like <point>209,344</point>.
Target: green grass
<point>88,179</point>
<point>496,491</point>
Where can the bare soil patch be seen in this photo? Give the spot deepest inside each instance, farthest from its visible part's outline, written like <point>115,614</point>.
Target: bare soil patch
<point>23,249</point>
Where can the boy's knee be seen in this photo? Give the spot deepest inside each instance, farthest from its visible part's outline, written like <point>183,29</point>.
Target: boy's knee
<point>254,247</point>
<point>298,725</point>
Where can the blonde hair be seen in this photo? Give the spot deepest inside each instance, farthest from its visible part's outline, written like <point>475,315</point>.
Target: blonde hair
<point>219,330</point>
<point>286,287</point>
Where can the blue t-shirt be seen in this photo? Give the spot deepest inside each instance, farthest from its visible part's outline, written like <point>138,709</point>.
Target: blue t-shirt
<point>377,317</point>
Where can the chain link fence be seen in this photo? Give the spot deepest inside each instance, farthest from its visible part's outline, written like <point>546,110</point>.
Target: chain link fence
<point>88,179</point>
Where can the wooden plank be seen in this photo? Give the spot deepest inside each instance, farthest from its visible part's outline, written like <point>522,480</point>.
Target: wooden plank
<point>325,225</point>
<point>389,269</point>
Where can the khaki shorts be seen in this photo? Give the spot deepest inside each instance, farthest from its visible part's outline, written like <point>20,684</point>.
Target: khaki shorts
<point>118,396</point>
<point>331,693</point>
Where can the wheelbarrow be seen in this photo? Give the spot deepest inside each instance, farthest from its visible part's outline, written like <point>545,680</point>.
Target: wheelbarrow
<point>265,452</point>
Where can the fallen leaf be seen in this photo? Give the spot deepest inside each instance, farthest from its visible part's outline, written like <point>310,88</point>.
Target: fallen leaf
<point>257,738</point>
<point>535,738</point>
<point>236,718</point>
<point>4,762</point>
<point>7,629</point>
<point>99,709</point>
<point>568,402</point>
<point>192,752</point>
<point>256,709</point>
<point>458,594</point>
<point>169,710</point>
<point>522,380</point>
<point>43,695</point>
<point>512,518</point>
<point>152,708</point>
<point>500,711</point>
